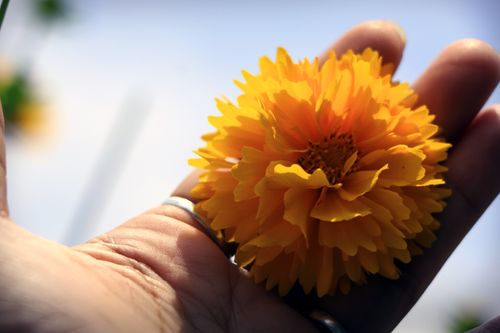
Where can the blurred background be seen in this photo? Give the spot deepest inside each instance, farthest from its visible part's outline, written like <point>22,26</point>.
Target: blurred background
<point>105,101</point>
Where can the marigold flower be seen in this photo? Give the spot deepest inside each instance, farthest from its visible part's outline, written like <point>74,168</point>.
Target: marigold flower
<point>322,174</point>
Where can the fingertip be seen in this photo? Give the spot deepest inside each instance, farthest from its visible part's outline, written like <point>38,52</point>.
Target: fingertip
<point>495,108</point>
<point>184,188</point>
<point>491,116</point>
<point>386,37</point>
<point>474,54</point>
<point>458,83</point>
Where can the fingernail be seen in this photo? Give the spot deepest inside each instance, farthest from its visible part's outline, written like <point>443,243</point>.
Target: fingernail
<point>399,30</point>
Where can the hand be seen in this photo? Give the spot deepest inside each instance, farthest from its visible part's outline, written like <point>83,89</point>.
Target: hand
<point>160,272</point>
<point>454,87</point>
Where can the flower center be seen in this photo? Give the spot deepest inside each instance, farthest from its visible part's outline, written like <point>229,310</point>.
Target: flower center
<point>336,155</point>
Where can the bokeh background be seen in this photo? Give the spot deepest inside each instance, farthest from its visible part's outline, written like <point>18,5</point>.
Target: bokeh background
<point>107,99</point>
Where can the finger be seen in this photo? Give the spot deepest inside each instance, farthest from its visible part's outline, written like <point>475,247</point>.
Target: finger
<point>458,83</point>
<point>490,326</point>
<point>383,36</point>
<point>184,188</point>
<point>475,182</point>
<point>3,181</point>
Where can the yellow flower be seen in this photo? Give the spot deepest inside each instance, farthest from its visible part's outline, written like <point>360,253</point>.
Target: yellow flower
<point>322,174</point>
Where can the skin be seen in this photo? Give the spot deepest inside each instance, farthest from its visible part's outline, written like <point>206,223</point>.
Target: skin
<point>159,272</point>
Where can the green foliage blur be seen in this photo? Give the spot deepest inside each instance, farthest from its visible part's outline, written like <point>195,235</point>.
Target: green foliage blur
<point>50,11</point>
<point>464,322</point>
<point>14,95</point>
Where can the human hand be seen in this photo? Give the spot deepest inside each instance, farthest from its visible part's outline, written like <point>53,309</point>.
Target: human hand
<point>160,272</point>
<point>454,88</point>
<point>156,273</point>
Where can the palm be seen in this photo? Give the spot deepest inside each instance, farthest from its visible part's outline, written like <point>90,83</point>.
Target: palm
<point>159,272</point>
<point>151,274</point>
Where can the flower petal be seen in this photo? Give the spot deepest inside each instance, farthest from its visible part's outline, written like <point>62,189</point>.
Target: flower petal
<point>298,205</point>
<point>282,234</point>
<point>358,183</point>
<point>325,271</point>
<point>368,260</point>
<point>405,165</point>
<point>288,176</point>
<point>388,200</point>
<point>353,269</point>
<point>266,254</point>
<point>330,235</point>
<point>270,202</point>
<point>333,208</point>
<point>248,171</point>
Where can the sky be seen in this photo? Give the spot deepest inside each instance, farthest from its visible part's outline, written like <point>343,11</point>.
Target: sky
<point>137,80</point>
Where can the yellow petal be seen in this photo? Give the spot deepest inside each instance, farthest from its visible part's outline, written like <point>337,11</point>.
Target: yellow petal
<point>266,254</point>
<point>298,205</point>
<point>405,165</point>
<point>343,92</point>
<point>325,271</point>
<point>270,202</point>
<point>245,232</point>
<point>245,255</point>
<point>353,269</point>
<point>358,183</point>
<point>331,235</point>
<point>387,267</point>
<point>281,234</point>
<point>267,67</point>
<point>350,162</point>
<point>425,238</point>
<point>392,239</point>
<point>295,114</point>
<point>333,208</point>
<point>368,260</point>
<point>248,172</point>
<point>359,234</point>
<point>403,255</point>
<point>275,274</point>
<point>199,163</point>
<point>383,200</point>
<point>239,214</point>
<point>260,273</point>
<point>294,175</point>
<point>307,276</point>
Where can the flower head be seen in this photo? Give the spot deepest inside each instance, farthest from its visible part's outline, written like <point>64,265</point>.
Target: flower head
<point>322,174</point>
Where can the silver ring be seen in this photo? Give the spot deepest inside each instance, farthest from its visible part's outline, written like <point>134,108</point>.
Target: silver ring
<point>326,322</point>
<point>188,206</point>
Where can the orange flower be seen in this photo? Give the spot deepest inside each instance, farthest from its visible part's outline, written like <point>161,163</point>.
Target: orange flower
<point>322,175</point>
